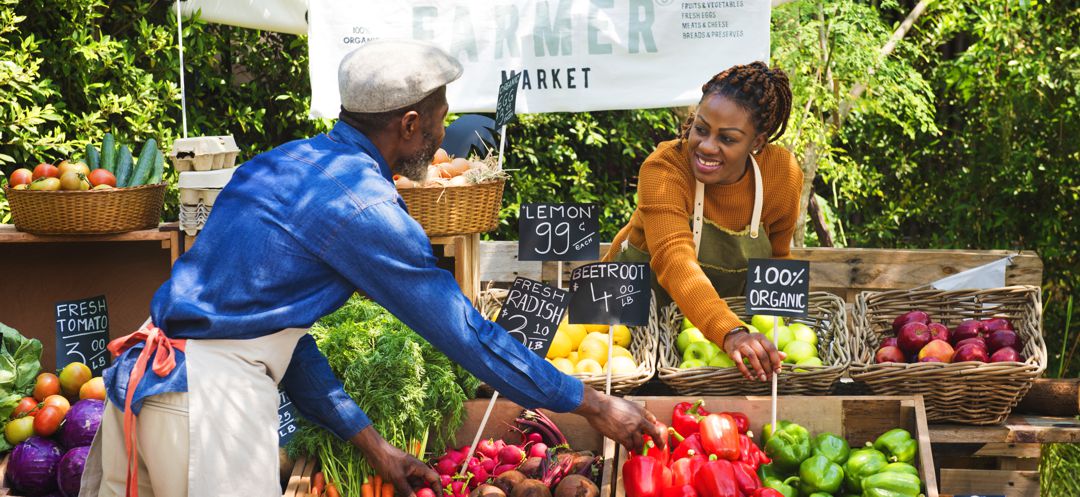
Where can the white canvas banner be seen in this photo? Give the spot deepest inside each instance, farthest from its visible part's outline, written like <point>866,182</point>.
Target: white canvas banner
<point>574,55</point>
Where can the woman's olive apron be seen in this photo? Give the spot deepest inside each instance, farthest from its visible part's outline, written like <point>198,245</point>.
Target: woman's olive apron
<point>723,254</point>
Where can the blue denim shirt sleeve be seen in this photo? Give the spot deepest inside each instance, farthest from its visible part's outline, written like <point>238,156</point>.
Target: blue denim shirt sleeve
<point>318,394</point>
<point>386,254</point>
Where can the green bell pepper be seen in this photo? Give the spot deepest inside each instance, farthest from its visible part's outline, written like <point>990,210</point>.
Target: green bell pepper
<point>819,474</point>
<point>788,447</point>
<point>901,467</point>
<point>861,464</point>
<point>832,447</point>
<point>820,494</point>
<point>767,430</point>
<point>891,484</point>
<point>897,445</point>
<point>782,486</point>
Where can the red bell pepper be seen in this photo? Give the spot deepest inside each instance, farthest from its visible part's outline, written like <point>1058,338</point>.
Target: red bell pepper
<point>716,479</point>
<point>643,476</point>
<point>683,470</point>
<point>741,420</point>
<point>746,451</point>
<point>745,477</point>
<point>767,492</point>
<point>690,445</point>
<point>762,459</point>
<point>662,455</point>
<point>685,417</point>
<point>720,436</point>
<point>680,491</point>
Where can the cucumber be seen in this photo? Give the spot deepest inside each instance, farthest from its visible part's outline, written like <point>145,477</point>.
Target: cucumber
<point>123,167</point>
<point>146,162</point>
<point>93,160</point>
<point>108,153</point>
<point>158,170</point>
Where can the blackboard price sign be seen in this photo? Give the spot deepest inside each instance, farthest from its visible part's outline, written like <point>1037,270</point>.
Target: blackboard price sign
<point>611,293</point>
<point>532,312</point>
<point>286,414</point>
<point>559,232</point>
<point>82,332</point>
<point>506,105</point>
<point>778,287</point>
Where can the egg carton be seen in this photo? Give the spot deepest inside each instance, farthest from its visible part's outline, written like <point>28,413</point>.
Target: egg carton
<point>203,186</point>
<point>193,218</point>
<point>204,153</point>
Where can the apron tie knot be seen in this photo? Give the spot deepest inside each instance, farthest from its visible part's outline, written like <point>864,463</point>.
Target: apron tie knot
<point>163,349</point>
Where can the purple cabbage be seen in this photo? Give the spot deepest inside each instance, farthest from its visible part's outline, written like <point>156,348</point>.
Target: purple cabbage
<point>69,472</point>
<point>81,423</point>
<point>32,467</point>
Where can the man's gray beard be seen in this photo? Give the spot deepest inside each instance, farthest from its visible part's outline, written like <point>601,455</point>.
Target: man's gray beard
<point>415,167</point>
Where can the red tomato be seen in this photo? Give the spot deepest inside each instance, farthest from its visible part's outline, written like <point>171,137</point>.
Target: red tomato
<point>102,177</point>
<point>21,176</point>
<point>47,384</point>
<point>47,421</point>
<point>93,389</point>
<point>27,406</point>
<point>58,401</point>
<point>44,170</point>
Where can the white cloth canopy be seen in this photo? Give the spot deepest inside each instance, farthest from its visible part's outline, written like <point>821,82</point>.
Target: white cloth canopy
<point>285,16</point>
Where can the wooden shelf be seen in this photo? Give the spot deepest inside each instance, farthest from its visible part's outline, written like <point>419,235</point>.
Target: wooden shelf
<point>1018,428</point>
<point>8,234</point>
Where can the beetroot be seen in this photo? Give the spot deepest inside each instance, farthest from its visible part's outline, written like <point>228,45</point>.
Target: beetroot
<point>530,488</point>
<point>531,467</point>
<point>576,486</point>
<point>508,480</point>
<point>487,491</point>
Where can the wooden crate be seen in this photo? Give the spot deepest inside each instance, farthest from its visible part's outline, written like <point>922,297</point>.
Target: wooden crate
<point>576,429</point>
<point>856,419</point>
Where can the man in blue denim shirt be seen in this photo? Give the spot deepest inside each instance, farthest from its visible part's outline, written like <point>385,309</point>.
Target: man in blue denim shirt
<point>295,233</point>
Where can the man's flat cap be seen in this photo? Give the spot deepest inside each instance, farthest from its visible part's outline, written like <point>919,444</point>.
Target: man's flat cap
<point>385,75</point>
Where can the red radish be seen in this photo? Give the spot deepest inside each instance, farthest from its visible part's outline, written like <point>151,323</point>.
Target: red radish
<point>534,437</point>
<point>889,342</point>
<point>445,480</point>
<point>909,317</point>
<point>1006,354</point>
<point>479,475</point>
<point>489,465</point>
<point>446,466</point>
<point>938,331</point>
<point>994,324</point>
<point>913,337</point>
<point>487,448</point>
<point>1000,339</point>
<point>538,450</point>
<point>968,329</point>
<point>425,492</point>
<point>504,468</point>
<point>499,444</point>
<point>457,487</point>
<point>511,454</point>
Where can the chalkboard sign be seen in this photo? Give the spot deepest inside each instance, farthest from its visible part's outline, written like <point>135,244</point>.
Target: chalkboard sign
<point>611,293</point>
<point>506,105</point>
<point>778,287</point>
<point>559,232</point>
<point>82,332</point>
<point>286,415</point>
<point>532,312</point>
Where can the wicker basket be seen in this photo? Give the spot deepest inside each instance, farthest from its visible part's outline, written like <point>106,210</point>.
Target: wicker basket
<point>826,315</point>
<point>91,212</point>
<point>456,210</point>
<point>963,392</point>
<point>643,346</point>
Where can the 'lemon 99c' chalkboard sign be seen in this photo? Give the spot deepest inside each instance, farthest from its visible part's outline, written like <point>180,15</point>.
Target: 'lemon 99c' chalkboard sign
<point>82,332</point>
<point>558,232</point>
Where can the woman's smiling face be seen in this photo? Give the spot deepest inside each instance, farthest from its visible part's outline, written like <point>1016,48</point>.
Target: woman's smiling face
<point>720,139</point>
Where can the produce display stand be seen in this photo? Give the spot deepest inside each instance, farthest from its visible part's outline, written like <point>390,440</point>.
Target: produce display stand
<point>856,419</point>
<point>45,269</point>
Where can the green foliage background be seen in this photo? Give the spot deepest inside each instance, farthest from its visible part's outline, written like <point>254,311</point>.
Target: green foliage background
<point>966,137</point>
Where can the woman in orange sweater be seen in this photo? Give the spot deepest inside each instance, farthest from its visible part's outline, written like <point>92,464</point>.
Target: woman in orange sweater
<point>714,198</point>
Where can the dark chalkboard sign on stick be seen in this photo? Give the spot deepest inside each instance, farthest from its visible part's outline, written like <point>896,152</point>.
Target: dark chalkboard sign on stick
<point>505,110</point>
<point>82,332</point>
<point>611,293</point>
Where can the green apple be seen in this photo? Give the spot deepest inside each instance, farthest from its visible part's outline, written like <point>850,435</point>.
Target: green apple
<point>701,351</point>
<point>799,351</point>
<point>803,333</point>
<point>687,336</point>
<point>692,363</point>
<point>813,361</point>
<point>764,323</point>
<point>686,324</point>
<point>721,360</point>
<point>784,336</point>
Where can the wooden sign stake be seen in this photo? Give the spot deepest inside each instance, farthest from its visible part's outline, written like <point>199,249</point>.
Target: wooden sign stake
<point>776,343</point>
<point>479,431</point>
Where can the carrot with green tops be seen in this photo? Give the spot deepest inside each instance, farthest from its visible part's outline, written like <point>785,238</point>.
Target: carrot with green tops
<point>331,490</point>
<point>318,483</point>
<point>376,485</point>
<point>366,490</point>
<point>387,490</point>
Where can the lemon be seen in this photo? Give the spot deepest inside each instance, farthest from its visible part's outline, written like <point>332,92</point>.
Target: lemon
<point>621,335</point>
<point>573,357</point>
<point>588,366</point>
<point>593,349</point>
<point>618,351</point>
<point>621,365</point>
<point>576,332</point>
<point>560,345</point>
<point>563,364</point>
<point>596,328</point>
<point>602,337</point>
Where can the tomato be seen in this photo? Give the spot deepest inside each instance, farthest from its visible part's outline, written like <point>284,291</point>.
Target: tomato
<point>102,177</point>
<point>20,176</point>
<point>46,184</point>
<point>58,401</point>
<point>73,376</point>
<point>72,180</point>
<point>26,406</point>
<point>44,170</point>
<point>93,389</point>
<point>47,421</point>
<point>78,167</point>
<point>47,384</point>
<point>18,430</point>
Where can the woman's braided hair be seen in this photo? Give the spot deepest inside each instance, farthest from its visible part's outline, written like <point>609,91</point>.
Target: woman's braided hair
<point>764,92</point>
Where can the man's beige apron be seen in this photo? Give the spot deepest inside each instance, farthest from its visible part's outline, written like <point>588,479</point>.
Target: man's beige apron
<point>218,439</point>
<point>722,254</point>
